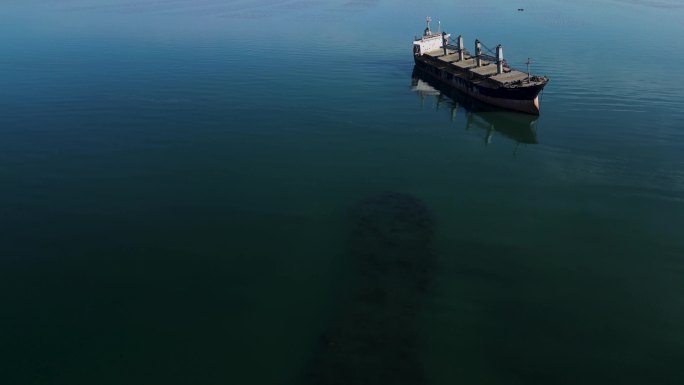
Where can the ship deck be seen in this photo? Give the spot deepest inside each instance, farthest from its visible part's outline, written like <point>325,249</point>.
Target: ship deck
<point>486,70</point>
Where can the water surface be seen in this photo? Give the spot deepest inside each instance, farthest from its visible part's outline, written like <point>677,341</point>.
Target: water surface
<point>179,177</point>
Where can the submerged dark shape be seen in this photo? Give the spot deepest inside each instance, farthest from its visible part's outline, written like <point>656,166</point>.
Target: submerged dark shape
<point>374,337</point>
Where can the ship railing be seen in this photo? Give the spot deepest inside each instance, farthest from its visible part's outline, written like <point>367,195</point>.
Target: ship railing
<point>416,37</point>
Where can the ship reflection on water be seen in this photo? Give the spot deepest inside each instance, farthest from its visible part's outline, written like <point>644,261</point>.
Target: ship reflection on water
<point>517,126</point>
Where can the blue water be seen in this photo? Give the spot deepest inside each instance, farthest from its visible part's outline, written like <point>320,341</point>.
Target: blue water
<point>178,177</point>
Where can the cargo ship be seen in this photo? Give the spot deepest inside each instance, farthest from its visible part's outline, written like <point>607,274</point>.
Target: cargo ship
<point>483,76</point>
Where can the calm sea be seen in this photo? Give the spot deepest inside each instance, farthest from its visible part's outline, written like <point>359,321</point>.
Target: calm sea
<point>187,188</point>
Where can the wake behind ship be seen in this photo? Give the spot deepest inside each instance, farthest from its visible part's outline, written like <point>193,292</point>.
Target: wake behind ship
<point>484,77</point>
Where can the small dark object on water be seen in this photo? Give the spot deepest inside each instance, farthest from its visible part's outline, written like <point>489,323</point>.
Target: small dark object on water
<point>521,9</point>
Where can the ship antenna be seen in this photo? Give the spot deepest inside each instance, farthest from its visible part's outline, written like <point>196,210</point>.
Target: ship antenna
<point>528,69</point>
<point>428,20</point>
<point>439,27</point>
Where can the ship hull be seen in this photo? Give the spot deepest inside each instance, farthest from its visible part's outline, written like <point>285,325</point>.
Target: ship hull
<point>522,99</point>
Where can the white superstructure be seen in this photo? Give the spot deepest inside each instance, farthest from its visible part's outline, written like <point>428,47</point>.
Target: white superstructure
<point>429,41</point>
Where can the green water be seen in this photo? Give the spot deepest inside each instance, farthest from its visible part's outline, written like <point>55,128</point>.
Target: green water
<point>177,179</point>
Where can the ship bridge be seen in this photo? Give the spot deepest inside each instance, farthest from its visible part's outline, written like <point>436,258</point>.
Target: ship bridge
<point>429,41</point>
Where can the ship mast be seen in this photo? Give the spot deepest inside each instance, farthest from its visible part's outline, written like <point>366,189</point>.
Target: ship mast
<point>528,69</point>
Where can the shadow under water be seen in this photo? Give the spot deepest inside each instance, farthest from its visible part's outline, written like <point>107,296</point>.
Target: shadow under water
<point>514,125</point>
<point>373,337</point>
